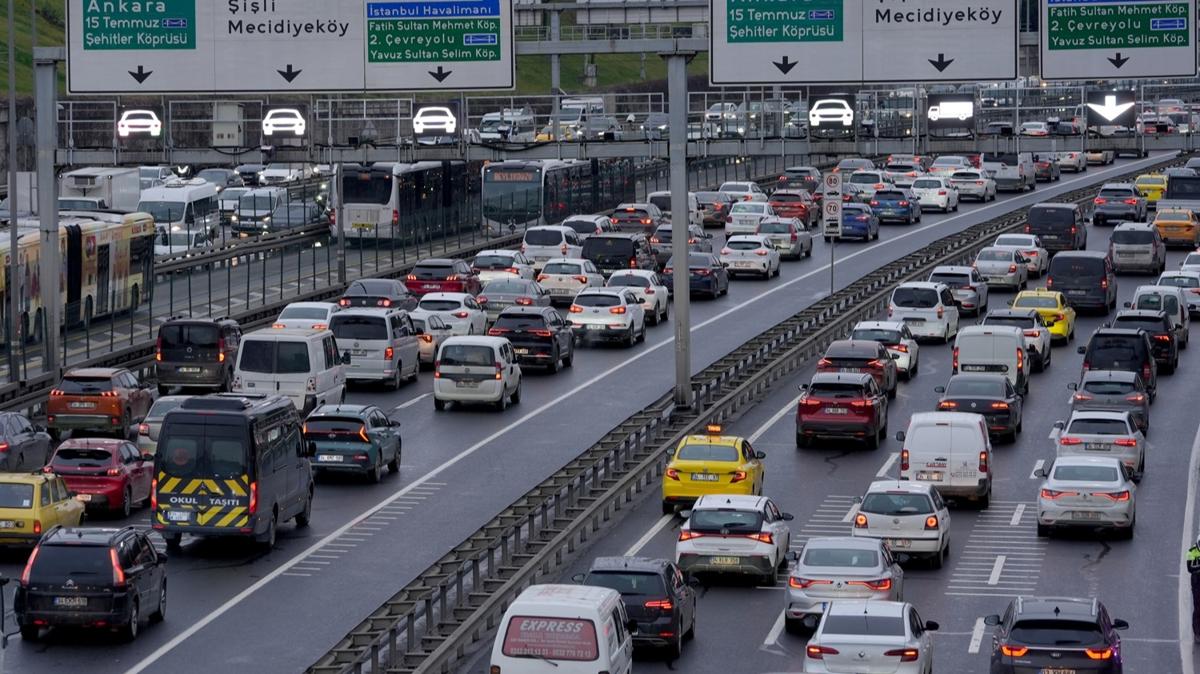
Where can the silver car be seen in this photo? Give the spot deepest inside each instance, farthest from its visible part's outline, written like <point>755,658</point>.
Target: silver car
<point>1091,492</point>
<point>871,636</point>
<point>1112,391</point>
<point>147,438</point>
<point>1137,246</point>
<point>969,288</point>
<point>699,241</point>
<point>431,331</point>
<point>502,293</point>
<point>788,235</point>
<point>974,184</point>
<point>1100,433</point>
<point>831,569</point>
<point>1189,282</point>
<point>1003,267</point>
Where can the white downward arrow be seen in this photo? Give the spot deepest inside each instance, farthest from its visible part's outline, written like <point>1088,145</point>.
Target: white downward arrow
<point>1110,110</point>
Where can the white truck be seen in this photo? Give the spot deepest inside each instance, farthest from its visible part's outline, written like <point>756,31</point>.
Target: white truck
<point>100,188</point>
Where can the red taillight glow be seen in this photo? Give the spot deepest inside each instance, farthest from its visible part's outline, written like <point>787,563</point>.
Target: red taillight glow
<point>1099,653</point>
<point>616,310</point>
<point>879,585</point>
<point>1070,440</point>
<point>29,567</point>
<point>685,535</point>
<point>117,571</point>
<point>1125,442</point>
<point>905,654</point>
<point>672,474</point>
<point>253,498</point>
<point>575,309</point>
<point>805,583</point>
<point>983,463</point>
<point>931,522</point>
<point>860,521</point>
<point>738,476</point>
<point>947,405</point>
<point>904,459</point>
<point>660,604</point>
<point>154,495</point>
<point>819,652</point>
<point>1014,651</point>
<point>1119,496</point>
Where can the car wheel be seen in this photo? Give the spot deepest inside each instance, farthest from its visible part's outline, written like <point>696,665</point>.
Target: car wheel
<point>668,508</point>
<point>394,382</point>
<point>130,631</point>
<point>375,473</point>
<point>126,502</point>
<point>174,541</point>
<point>305,516</point>
<point>163,390</point>
<point>654,318</point>
<point>516,395</point>
<point>555,362</point>
<point>641,337</point>
<point>985,500</point>
<point>872,440</point>
<point>123,431</point>
<point>569,359</point>
<point>502,403</point>
<point>30,632</point>
<point>160,612</point>
<point>630,338</point>
<point>439,405</point>
<point>272,529</point>
<point>1127,532</point>
<point>1043,531</point>
<point>675,648</point>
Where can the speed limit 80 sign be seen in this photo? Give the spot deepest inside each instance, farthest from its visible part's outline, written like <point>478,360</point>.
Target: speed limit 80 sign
<point>832,204</point>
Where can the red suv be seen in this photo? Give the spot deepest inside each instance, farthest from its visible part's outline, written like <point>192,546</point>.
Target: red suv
<point>860,355</point>
<point>443,276</point>
<point>105,474</point>
<point>795,204</point>
<point>837,405</point>
<point>95,399</point>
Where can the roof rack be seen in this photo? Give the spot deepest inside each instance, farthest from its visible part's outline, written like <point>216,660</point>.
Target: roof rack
<point>232,402</point>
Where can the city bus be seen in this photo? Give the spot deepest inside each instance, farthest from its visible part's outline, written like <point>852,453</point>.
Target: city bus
<point>107,267</point>
<point>385,200</point>
<point>525,193</point>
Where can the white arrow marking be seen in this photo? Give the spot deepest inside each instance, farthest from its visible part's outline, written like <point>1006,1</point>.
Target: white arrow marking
<point>1111,110</point>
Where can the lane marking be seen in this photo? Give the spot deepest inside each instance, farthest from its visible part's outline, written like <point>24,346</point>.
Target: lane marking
<point>997,568</point>
<point>774,418</point>
<point>976,637</point>
<point>887,465</point>
<point>412,402</point>
<point>650,534</point>
<point>851,513</point>
<point>1036,467</point>
<point>776,630</point>
<point>1005,206</point>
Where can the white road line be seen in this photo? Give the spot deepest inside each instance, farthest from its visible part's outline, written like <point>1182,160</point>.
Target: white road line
<point>776,630</point>
<point>651,533</point>
<point>1000,206</point>
<point>1183,599</point>
<point>997,568</point>
<point>887,465</point>
<point>774,418</point>
<point>413,401</point>
<point>976,637</point>
<point>850,514</point>
<point>1036,467</point>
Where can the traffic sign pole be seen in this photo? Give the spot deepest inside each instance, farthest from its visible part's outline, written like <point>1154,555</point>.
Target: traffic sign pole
<point>677,100</point>
<point>45,64</point>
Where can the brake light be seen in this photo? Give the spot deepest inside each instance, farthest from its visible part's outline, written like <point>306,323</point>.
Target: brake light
<point>389,353</point>
<point>660,604</point>
<point>117,571</point>
<point>1125,442</point>
<point>931,522</point>
<point>947,405</point>
<point>728,218</point>
<point>824,362</point>
<point>346,303</point>
<point>154,495</point>
<point>563,249</point>
<point>395,217</point>
<point>879,585</point>
<point>805,583</point>
<point>903,459</point>
<point>795,237</point>
<point>542,277</point>
<point>460,314</point>
<point>1104,283</point>
<point>1020,360</point>
<point>614,220</point>
<point>738,476</point>
<point>903,202</point>
<point>1099,653</point>
<point>1119,496</point>
<point>496,332</point>
<point>655,239</point>
<point>253,497</point>
<point>428,339</point>
<point>672,473</point>
<point>954,360</point>
<point>1162,338</point>
<point>1028,229</point>
<point>581,278</point>
<point>761,253</point>
<point>29,566</point>
<point>113,472</point>
<point>384,303</point>
<point>1000,406</point>
<point>575,309</point>
<point>685,535</point>
<point>220,349</point>
<point>874,202</point>
<point>940,312</point>
<point>1031,333</point>
<point>905,654</point>
<point>902,348</point>
<point>819,652</point>
<point>763,537</point>
<point>1054,495</point>
<point>499,371</point>
<point>37,526</point>
<point>1133,397</point>
<point>983,460</point>
<point>1014,651</point>
<point>1012,268</point>
<point>57,392</point>
<point>524,301</point>
<point>157,351</point>
<point>617,310</point>
<point>860,521</point>
<point>1131,202</point>
<point>1070,440</point>
<point>875,364</point>
<point>1099,201</point>
<point>1146,372</point>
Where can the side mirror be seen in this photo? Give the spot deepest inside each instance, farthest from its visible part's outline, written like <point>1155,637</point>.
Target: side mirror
<point>857,499</point>
<point>1081,350</point>
<point>1060,425</point>
<point>894,356</point>
<point>578,578</point>
<point>760,455</point>
<point>685,513</point>
<point>939,389</point>
<point>1128,305</point>
<point>38,428</point>
<point>1072,386</point>
<point>1010,301</point>
<point>804,387</point>
<point>310,449</point>
<point>1119,624</point>
<point>902,557</point>
<point>900,436</point>
<point>793,556</point>
<point>346,358</point>
<point>992,620</point>
<point>788,517</point>
<point>931,625</point>
<point>1040,472</point>
<point>162,559</point>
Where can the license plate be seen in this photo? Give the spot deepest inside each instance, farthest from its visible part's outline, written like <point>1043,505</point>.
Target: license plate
<point>330,458</point>
<point>541,258</point>
<point>1084,515</point>
<point>190,370</point>
<point>82,406</point>
<point>837,410</point>
<point>178,515</point>
<point>560,291</point>
<point>705,477</point>
<point>595,327</point>
<point>1076,292</point>
<point>86,498</point>
<point>914,319</point>
<point>1097,446</point>
<point>362,226</point>
<point>900,543</point>
<point>929,476</point>
<point>8,524</point>
<point>521,352</point>
<point>430,286</point>
<point>1057,670</point>
<point>358,352</point>
<point>744,265</point>
<point>974,368</point>
<point>725,561</point>
<point>996,279</point>
<point>70,602</point>
<point>466,384</point>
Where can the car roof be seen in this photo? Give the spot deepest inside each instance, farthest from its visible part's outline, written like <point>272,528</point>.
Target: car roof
<point>841,378</point>
<point>864,607</point>
<point>1133,226</point>
<point>864,347</point>
<point>336,410</point>
<point>1043,292</point>
<point>475,340</point>
<point>720,501</point>
<point>85,536</point>
<point>93,443</point>
<point>951,269</point>
<point>1008,313</point>
<point>368,311</point>
<point>879,325</point>
<point>990,378</point>
<point>1072,608</point>
<point>1098,414</point>
<point>906,486</point>
<point>645,273</point>
<point>93,372</point>
<point>1109,375</point>
<point>642,564</point>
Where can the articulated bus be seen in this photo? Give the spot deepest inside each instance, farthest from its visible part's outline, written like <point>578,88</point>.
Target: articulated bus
<point>522,193</point>
<point>107,267</point>
<point>382,200</point>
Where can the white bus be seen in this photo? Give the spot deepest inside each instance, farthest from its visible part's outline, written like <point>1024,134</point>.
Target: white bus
<point>183,206</point>
<point>525,193</point>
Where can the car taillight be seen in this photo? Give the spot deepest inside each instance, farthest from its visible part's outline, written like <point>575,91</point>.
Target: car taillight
<point>738,476</point>
<point>542,277</point>
<point>118,574</point>
<point>931,522</point>
<point>113,472</point>
<point>761,253</point>
<point>1099,653</point>
<point>346,303</point>
<point>947,405</point>
<point>496,332</point>
<point>1070,440</point>
<point>860,521</point>
<point>904,202</point>
<point>29,566</point>
<point>728,218</point>
<point>763,537</point>
<point>660,604</point>
<point>524,301</point>
<point>1031,333</point>
<point>1020,360</point>
<point>874,202</point>
<point>614,220</point>
<point>903,459</point>
<point>1132,397</point>
<point>395,217</point>
<point>1146,372</point>
<point>1104,283</point>
<point>499,371</point>
<point>1125,442</point>
<point>1118,496</point>
<point>905,654</point>
<point>437,369</point>
<point>384,303</point>
<point>875,364</point>
<point>983,464</point>
<point>672,473</point>
<point>685,535</point>
<point>1014,651</point>
<point>581,278</point>
<point>157,350</point>
<point>460,314</point>
<point>389,353</point>
<point>655,239</point>
<point>541,333</point>
<point>954,360</point>
<point>1131,202</point>
<point>1012,268</point>
<point>940,312</point>
<point>153,495</point>
<point>902,348</point>
<point>879,585</point>
<point>805,583</point>
<point>795,237</point>
<point>616,310</point>
<point>819,652</point>
<point>1028,229</point>
<point>1162,338</point>
<point>824,362</point>
<point>253,498</point>
<point>575,309</point>
<point>1099,201</point>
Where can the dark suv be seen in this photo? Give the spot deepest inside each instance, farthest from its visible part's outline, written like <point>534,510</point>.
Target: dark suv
<point>1160,330</point>
<point>1056,634</point>
<point>857,355</point>
<point>655,594</point>
<point>1060,226</point>
<point>1122,349</point>
<point>539,335</point>
<point>617,251</point>
<point>1086,278</point>
<point>196,353</point>
<point>95,577</point>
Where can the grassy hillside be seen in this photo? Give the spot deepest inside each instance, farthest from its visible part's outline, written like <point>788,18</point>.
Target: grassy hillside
<point>50,32</point>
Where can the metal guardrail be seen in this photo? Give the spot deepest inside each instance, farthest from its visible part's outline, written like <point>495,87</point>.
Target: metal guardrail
<point>437,618</point>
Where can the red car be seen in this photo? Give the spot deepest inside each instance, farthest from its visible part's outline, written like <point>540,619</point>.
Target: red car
<point>443,276</point>
<point>105,474</point>
<point>794,204</point>
<point>841,405</point>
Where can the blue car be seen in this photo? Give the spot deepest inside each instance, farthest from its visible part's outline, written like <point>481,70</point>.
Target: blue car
<point>896,205</point>
<point>353,439</point>
<point>859,222</point>
<point>707,275</point>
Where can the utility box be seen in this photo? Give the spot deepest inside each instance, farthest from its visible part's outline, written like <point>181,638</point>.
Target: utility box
<point>228,125</point>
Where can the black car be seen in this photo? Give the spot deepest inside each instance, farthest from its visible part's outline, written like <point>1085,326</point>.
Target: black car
<point>539,336</point>
<point>991,395</point>
<point>98,578</point>
<point>378,292</point>
<point>656,595</point>
<point>1122,349</point>
<point>196,353</point>
<point>707,275</point>
<point>1060,226</point>
<point>24,446</point>
<point>249,173</point>
<point>1085,277</point>
<point>1056,634</point>
<point>1158,327</point>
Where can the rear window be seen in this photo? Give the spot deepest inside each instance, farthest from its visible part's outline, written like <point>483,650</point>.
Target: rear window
<point>1048,217</point>
<point>521,322</point>
<point>995,255</point>
<point>82,457</point>
<point>1074,267</point>
<point>440,305</point>
<point>597,300</point>
<point>1137,322</point>
<point>493,261</point>
<point>420,271</point>
<point>1117,192</point>
<point>202,450</point>
<point>87,564</point>
<point>304,313</point>
<point>844,557</point>
<point>85,385</point>
<point>581,226</point>
<point>501,287</point>
<point>16,495</point>
<point>333,425</point>
<point>1014,321</point>
<point>467,354</point>
<point>951,280</point>
<point>1086,473</point>
<point>744,244</point>
<point>774,227</point>
<point>628,582</point>
<point>968,388</point>
<point>1035,302</point>
<point>702,452</point>
<point>877,335</point>
<point>562,268</point>
<point>897,504</point>
<point>926,184</point>
<point>1061,633</point>
<point>629,281</point>
<point>915,298</point>
<point>734,521</point>
<point>1008,240</point>
<point>543,237</point>
<point>836,390</point>
<point>1109,388</point>
<point>176,336</point>
<point>1133,236</point>
<point>386,287</point>
<point>866,625</point>
<point>889,195</point>
<point>1113,349</point>
<point>1149,302</point>
<point>1099,427</point>
<point>551,638</point>
<point>597,246</point>
<point>358,327</point>
<point>785,198</point>
<point>662,201</point>
<point>270,357</point>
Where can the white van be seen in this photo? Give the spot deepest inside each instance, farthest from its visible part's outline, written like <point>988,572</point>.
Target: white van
<point>473,369</point>
<point>1169,299</point>
<point>663,201</point>
<point>381,345</point>
<point>510,125</point>
<point>565,629</point>
<point>993,348</point>
<point>542,244</point>
<point>951,451</point>
<point>183,205</point>
<point>254,210</point>
<point>927,308</point>
<point>302,365</point>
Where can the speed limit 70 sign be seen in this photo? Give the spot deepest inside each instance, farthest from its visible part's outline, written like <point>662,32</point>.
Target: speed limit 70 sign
<point>832,200</point>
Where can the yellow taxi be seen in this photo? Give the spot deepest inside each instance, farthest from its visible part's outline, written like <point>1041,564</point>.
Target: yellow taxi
<point>1178,226</point>
<point>711,464</point>
<point>1151,186</point>
<point>33,503</point>
<point>1053,307</point>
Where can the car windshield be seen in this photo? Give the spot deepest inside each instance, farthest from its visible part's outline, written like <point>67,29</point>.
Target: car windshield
<point>56,564</point>
<point>628,582</point>
<point>971,388</point>
<point>951,280</point>
<point>76,385</point>
<point>597,300</point>
<point>82,457</point>
<point>697,451</point>
<point>883,335</point>
<point>863,625</point>
<point>734,521</point>
<point>189,449</point>
<point>1056,632</point>
<point>1086,473</point>
<point>994,255</point>
<point>1139,322</point>
<point>346,326</point>
<point>1133,236</point>
<point>467,355</point>
<point>271,357</point>
<point>304,313</point>
<point>497,288</point>
<point>628,280</point>
<point>1035,302</point>
<point>543,237</point>
<point>775,227</point>
<point>836,390</point>
<point>844,557</point>
<point>897,503</point>
<point>915,298</point>
<point>163,405</point>
<point>1098,427</point>
<point>14,495</point>
<point>373,287</point>
<point>567,268</point>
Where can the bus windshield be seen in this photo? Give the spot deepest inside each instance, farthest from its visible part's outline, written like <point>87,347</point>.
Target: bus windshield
<point>163,211</point>
<point>203,450</point>
<point>368,188</point>
<point>512,193</point>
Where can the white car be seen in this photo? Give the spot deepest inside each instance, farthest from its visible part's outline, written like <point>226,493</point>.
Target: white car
<point>307,315</point>
<point>718,112</point>
<point>936,192</point>
<point>830,111</point>
<point>946,165</point>
<point>1189,282</point>
<point>743,191</point>
<point>1074,161</point>
<point>871,636</point>
<point>745,217</point>
<point>548,242</point>
<point>1030,246</point>
<point>435,119</point>
<point>1087,492</point>
<point>139,122</point>
<point>1100,433</point>
<point>739,534</point>
<point>648,286</point>
<point>564,277</point>
<point>911,516</point>
<point>284,120</point>
<point>1191,262</point>
<point>751,254</point>
<point>461,312</point>
<point>431,332</point>
<point>476,369</point>
<point>898,339</point>
<point>178,242</point>
<point>1032,325</point>
<point>928,309</point>
<point>974,184</point>
<point>496,264</point>
<point>870,182</point>
<point>1035,129</point>
<point>608,314</point>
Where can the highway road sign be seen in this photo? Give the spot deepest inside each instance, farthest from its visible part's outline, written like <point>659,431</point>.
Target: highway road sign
<point>761,41</point>
<point>831,210</point>
<point>1117,39</point>
<point>256,46</point>
<point>1111,108</point>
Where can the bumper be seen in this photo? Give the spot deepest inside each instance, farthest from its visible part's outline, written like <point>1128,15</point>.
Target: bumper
<point>1009,183</point>
<point>935,202</point>
<point>206,377</point>
<point>383,370</point>
<point>94,498</point>
<point>534,354</point>
<point>924,545</point>
<point>84,422</point>
<point>973,193</point>
<point>1060,330</point>
<point>10,539</point>
<point>831,428</point>
<point>889,214</point>
<point>658,633</point>
<point>679,493</point>
<point>798,604</point>
<point>600,331</point>
<point>1090,300</point>
<point>257,525</point>
<point>116,616</point>
<point>1012,280</point>
<point>855,231</point>
<point>1138,263</point>
<point>927,329</point>
<point>968,490</point>
<point>348,464</point>
<point>751,565</point>
<point>1054,515</point>
<point>488,391</point>
<point>743,267</point>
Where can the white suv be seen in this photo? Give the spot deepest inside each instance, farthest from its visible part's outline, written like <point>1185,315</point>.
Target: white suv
<point>738,534</point>
<point>910,516</point>
<point>928,309</point>
<point>476,370</point>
